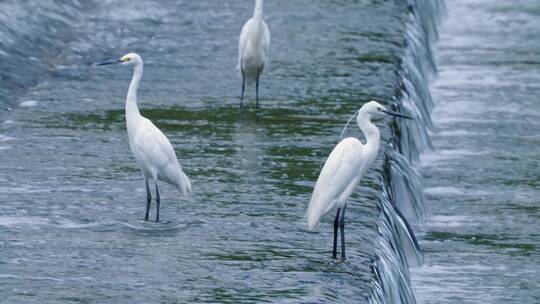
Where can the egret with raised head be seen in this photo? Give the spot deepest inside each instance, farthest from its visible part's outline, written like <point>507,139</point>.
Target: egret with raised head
<point>253,50</point>
<point>343,169</point>
<point>151,148</point>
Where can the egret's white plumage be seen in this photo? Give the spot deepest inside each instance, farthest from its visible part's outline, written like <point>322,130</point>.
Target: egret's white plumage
<point>151,148</point>
<point>343,169</point>
<point>155,156</point>
<point>253,49</point>
<point>337,180</point>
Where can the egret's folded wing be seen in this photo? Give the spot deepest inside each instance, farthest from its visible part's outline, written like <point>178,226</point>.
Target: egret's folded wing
<point>338,172</point>
<point>242,42</point>
<point>152,147</point>
<point>266,44</point>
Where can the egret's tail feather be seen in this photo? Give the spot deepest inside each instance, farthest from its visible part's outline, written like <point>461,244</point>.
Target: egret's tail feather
<point>184,185</point>
<point>313,216</point>
<point>313,222</point>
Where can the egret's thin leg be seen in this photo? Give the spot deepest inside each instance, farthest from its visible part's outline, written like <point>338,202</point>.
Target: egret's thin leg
<point>257,89</point>
<point>336,226</point>
<point>243,87</point>
<point>148,200</point>
<point>157,203</point>
<point>342,227</point>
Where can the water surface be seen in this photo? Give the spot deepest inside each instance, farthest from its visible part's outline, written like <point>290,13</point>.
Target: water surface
<point>482,244</point>
<point>73,200</point>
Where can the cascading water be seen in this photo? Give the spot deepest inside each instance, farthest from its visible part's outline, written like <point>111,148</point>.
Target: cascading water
<point>481,178</point>
<point>402,199</point>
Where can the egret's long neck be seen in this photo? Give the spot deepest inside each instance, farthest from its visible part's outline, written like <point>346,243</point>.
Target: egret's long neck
<point>371,131</point>
<point>132,110</point>
<point>258,12</point>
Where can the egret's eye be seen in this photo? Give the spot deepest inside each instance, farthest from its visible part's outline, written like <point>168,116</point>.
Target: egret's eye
<point>125,59</point>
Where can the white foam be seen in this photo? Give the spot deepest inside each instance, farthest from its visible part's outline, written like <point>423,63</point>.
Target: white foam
<point>22,189</point>
<point>443,191</point>
<point>10,221</point>
<point>38,222</point>
<point>67,224</point>
<point>457,133</point>
<point>468,111</point>
<point>12,276</point>
<point>449,190</point>
<point>8,276</point>
<point>448,218</point>
<point>452,221</point>
<point>28,103</point>
<point>5,138</point>
<point>438,156</point>
<point>452,270</point>
<point>450,119</point>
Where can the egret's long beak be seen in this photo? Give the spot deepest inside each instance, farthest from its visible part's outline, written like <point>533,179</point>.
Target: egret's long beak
<point>396,114</point>
<point>111,61</point>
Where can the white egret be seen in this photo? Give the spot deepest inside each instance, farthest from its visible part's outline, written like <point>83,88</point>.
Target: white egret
<point>342,171</point>
<point>253,50</point>
<point>151,148</point>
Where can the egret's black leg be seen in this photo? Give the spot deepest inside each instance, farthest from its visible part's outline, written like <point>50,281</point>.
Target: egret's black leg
<point>157,203</point>
<point>342,227</point>
<point>243,87</point>
<point>336,226</point>
<point>257,89</point>
<point>148,200</point>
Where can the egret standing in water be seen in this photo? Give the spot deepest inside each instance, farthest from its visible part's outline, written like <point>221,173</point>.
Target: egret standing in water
<point>343,169</point>
<point>151,148</point>
<point>253,50</point>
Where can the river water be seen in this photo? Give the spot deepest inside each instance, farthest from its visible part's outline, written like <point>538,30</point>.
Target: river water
<point>73,201</point>
<point>481,243</point>
<point>72,198</point>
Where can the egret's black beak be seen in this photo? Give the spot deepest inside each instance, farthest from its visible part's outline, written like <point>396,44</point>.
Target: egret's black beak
<point>396,114</point>
<point>111,61</point>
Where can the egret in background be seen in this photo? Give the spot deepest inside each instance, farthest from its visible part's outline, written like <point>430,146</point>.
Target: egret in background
<point>343,169</point>
<point>151,148</point>
<point>253,50</point>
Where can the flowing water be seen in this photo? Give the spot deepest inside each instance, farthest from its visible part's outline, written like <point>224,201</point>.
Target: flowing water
<point>482,182</point>
<point>72,199</point>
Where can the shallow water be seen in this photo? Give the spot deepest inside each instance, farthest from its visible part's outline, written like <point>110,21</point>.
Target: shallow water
<point>73,199</point>
<point>481,244</point>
